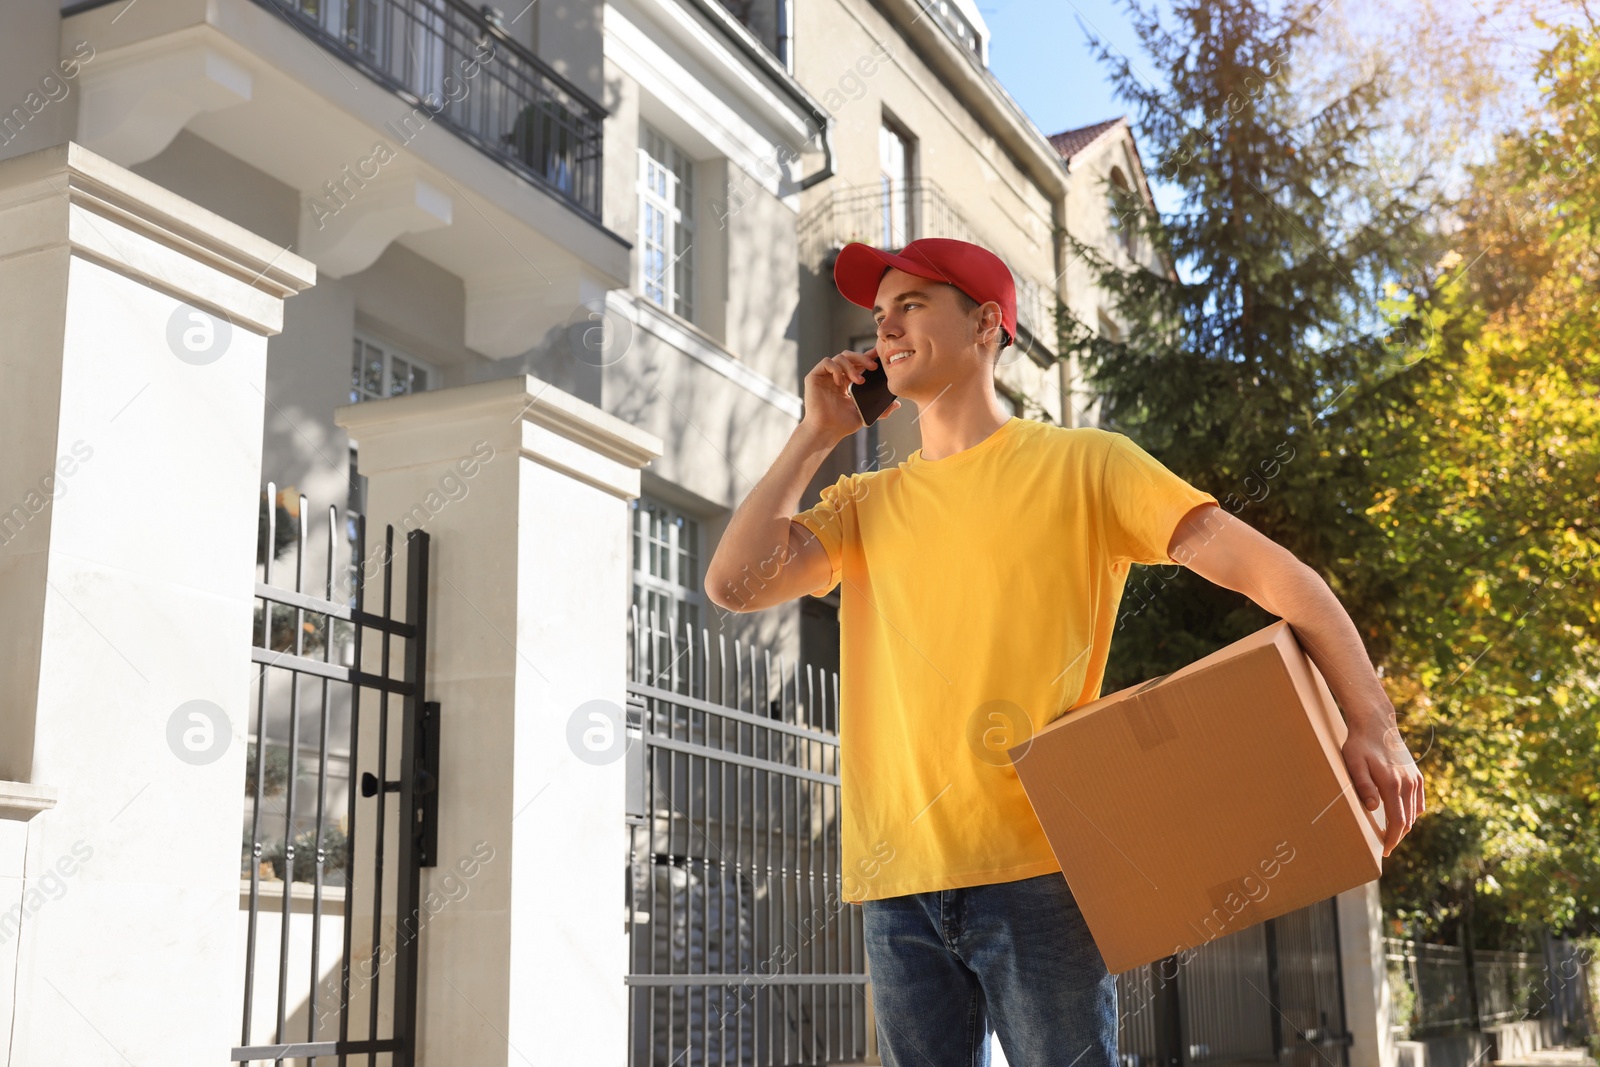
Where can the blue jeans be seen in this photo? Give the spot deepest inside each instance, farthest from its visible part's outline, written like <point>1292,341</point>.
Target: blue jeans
<point>949,966</point>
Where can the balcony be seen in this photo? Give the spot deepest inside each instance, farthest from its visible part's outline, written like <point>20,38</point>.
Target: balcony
<point>520,111</point>
<point>411,122</point>
<point>892,214</point>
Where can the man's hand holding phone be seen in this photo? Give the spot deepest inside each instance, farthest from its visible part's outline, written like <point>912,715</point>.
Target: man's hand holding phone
<point>846,392</point>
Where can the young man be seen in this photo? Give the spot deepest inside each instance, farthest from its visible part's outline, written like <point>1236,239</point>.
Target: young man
<point>980,582</point>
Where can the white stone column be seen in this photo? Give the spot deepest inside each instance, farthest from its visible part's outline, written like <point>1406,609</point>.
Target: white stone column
<point>525,492</point>
<point>1366,982</point>
<point>133,357</point>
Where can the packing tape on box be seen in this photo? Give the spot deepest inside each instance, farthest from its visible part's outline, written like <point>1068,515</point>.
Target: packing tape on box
<point>1150,724</point>
<point>1242,889</point>
<point>1151,684</point>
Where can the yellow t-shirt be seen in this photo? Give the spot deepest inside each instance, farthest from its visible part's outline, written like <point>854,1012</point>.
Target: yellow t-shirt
<point>979,596</point>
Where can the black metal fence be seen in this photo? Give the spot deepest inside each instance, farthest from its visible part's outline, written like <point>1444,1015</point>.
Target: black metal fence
<point>316,853</point>
<point>457,65</point>
<point>1428,987</point>
<point>1272,992</point>
<point>742,948</point>
<point>1435,989</point>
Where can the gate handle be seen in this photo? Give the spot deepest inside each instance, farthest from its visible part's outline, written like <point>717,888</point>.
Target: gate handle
<point>369,785</point>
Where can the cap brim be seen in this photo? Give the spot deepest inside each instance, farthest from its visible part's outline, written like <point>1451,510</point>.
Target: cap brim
<point>859,268</point>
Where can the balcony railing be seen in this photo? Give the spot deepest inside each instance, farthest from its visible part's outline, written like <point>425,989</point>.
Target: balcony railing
<point>459,67</point>
<point>892,215</point>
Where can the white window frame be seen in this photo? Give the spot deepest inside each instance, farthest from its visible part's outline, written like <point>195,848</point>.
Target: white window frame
<point>1107,326</point>
<point>682,539</point>
<point>1117,182</point>
<point>390,354</point>
<point>896,153</point>
<point>666,203</point>
<point>361,342</point>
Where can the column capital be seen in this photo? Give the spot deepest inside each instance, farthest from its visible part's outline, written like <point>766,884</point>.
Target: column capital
<point>543,423</point>
<point>21,801</point>
<point>68,195</point>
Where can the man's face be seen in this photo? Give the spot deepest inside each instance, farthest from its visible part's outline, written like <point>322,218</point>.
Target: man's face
<point>927,342</point>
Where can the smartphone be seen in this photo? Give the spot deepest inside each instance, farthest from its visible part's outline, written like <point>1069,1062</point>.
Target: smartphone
<point>872,396</point>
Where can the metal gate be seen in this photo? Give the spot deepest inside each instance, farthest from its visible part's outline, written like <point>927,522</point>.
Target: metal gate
<point>741,947</point>
<point>742,952</point>
<point>325,657</point>
<point>1269,993</point>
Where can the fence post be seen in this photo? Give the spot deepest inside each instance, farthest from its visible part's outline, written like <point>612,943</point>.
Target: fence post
<point>1167,1006</point>
<point>525,491</point>
<point>1274,994</point>
<point>1469,961</point>
<point>134,358</point>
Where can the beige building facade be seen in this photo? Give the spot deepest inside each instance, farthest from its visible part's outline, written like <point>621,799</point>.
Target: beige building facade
<point>928,143</point>
<point>582,250</point>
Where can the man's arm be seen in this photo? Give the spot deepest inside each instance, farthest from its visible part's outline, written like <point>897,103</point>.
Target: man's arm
<point>1232,554</point>
<point>764,557</point>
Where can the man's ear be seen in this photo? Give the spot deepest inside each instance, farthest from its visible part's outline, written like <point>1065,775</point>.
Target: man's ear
<point>990,324</point>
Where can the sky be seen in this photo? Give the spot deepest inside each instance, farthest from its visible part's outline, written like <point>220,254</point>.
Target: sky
<point>1039,49</point>
<point>1040,52</point>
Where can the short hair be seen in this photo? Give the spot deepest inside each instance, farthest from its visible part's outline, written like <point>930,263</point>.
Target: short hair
<point>968,305</point>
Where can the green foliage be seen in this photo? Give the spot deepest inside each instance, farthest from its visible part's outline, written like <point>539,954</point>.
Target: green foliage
<point>1246,351</point>
<point>1403,1001</point>
<point>1486,575</point>
<point>1407,396</point>
<point>334,845</point>
<point>285,527</point>
<point>275,770</point>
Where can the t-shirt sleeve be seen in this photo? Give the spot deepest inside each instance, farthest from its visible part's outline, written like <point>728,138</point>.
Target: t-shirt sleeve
<point>827,523</point>
<point>1142,502</point>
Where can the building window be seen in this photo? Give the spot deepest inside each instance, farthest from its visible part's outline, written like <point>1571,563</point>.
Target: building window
<point>771,22</point>
<point>355,506</point>
<point>1119,208</point>
<point>666,224</point>
<point>377,370</point>
<point>1108,328</point>
<point>895,154</point>
<point>666,581</point>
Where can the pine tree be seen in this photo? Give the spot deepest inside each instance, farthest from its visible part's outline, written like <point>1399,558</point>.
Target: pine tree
<point>1245,360</point>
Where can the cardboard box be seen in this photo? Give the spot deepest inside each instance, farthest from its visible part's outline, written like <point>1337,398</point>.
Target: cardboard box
<point>1202,802</point>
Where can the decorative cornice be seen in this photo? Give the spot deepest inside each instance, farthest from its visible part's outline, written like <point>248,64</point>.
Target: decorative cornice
<point>21,801</point>
<point>530,413</point>
<point>129,223</point>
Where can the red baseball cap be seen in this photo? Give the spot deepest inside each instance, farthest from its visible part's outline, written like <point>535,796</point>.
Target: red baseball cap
<point>974,270</point>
